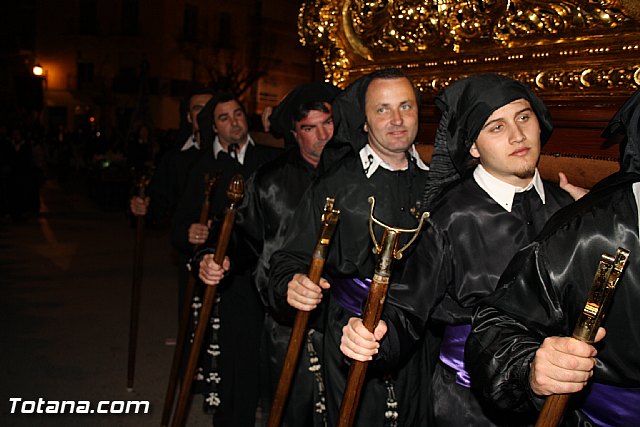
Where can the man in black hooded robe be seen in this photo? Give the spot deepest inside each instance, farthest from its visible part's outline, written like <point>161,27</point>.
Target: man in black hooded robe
<point>229,370</point>
<point>520,349</point>
<point>304,118</point>
<point>169,179</point>
<point>377,122</point>
<point>491,203</point>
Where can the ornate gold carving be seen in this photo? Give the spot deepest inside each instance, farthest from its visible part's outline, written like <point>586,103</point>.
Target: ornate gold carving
<point>318,25</point>
<point>564,46</point>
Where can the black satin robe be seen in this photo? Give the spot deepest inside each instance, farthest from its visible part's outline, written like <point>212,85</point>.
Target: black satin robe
<point>350,255</point>
<point>458,260</point>
<point>188,210</point>
<point>239,311</point>
<point>543,291</point>
<point>272,195</point>
<point>169,181</point>
<point>165,190</point>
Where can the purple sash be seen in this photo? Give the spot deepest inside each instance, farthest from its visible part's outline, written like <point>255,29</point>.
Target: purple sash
<point>608,405</point>
<point>452,351</point>
<point>351,294</point>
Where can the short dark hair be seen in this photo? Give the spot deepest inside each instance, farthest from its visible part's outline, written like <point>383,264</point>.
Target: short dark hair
<point>226,97</point>
<point>394,73</point>
<point>388,73</point>
<point>303,110</point>
<point>200,91</point>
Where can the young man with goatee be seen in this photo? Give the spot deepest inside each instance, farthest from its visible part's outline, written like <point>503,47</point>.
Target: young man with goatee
<point>487,201</point>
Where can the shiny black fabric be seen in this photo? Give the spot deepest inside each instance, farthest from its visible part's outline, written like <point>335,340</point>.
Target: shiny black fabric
<point>627,122</point>
<point>544,290</point>
<point>240,311</point>
<point>350,255</point>
<point>188,210</point>
<point>272,194</point>
<point>271,197</point>
<point>169,181</point>
<point>457,261</point>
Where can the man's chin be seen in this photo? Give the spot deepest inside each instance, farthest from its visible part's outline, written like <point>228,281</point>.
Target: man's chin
<point>526,173</point>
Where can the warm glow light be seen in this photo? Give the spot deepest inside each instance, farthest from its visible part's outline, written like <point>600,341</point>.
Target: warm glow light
<point>38,70</point>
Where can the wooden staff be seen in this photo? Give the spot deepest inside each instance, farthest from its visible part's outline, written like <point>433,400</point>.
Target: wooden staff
<point>329,221</point>
<point>598,301</point>
<point>387,251</point>
<point>140,186</point>
<point>185,311</point>
<point>235,193</point>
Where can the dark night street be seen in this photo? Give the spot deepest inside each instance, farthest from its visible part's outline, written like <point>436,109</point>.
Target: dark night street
<point>66,281</point>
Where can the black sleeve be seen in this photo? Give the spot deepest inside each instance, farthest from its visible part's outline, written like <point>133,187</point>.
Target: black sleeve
<point>420,285</point>
<point>295,255</point>
<point>188,210</point>
<point>508,328</point>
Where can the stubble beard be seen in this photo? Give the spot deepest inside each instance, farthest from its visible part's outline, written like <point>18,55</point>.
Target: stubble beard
<point>526,172</point>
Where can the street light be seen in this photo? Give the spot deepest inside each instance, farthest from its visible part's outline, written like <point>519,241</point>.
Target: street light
<point>38,70</point>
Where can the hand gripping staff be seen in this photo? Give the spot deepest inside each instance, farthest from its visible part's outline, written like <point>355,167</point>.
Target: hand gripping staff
<point>140,186</point>
<point>329,221</point>
<point>387,251</point>
<point>183,326</point>
<point>598,301</point>
<point>235,193</point>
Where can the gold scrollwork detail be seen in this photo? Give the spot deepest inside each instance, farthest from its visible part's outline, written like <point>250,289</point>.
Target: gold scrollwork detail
<point>452,38</point>
<point>420,25</point>
<point>318,26</point>
<point>604,79</point>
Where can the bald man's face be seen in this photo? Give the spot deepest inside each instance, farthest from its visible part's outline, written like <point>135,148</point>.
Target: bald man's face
<point>391,108</point>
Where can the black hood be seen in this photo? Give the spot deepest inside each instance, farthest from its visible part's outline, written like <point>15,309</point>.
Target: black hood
<point>282,118</point>
<point>626,122</point>
<point>466,105</point>
<point>205,124</point>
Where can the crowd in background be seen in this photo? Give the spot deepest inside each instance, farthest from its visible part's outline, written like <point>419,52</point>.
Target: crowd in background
<point>104,159</point>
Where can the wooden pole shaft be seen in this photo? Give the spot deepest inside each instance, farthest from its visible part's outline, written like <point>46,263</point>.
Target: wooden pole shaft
<point>358,370</point>
<point>135,300</point>
<point>552,410</point>
<point>293,353</point>
<point>235,194</point>
<point>183,329</point>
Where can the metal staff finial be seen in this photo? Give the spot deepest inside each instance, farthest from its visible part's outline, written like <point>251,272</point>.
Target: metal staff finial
<point>604,284</point>
<point>397,254</point>
<point>387,252</point>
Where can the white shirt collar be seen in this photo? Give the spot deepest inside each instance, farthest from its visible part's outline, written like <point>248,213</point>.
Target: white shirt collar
<point>501,192</point>
<point>371,160</point>
<point>217,147</point>
<point>191,142</point>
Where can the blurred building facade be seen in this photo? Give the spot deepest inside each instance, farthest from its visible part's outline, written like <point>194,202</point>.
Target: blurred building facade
<point>109,62</point>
